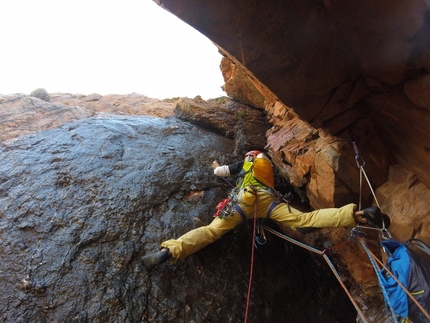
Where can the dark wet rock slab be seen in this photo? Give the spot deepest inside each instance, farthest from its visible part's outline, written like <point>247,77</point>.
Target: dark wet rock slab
<point>81,204</point>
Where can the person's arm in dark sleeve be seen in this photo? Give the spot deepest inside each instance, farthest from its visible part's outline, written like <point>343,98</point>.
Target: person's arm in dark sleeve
<point>227,170</point>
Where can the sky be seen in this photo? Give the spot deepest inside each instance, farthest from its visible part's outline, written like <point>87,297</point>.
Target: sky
<point>104,47</point>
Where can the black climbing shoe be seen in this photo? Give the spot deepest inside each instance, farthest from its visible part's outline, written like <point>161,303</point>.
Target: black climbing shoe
<point>155,259</point>
<point>386,219</point>
<point>376,218</point>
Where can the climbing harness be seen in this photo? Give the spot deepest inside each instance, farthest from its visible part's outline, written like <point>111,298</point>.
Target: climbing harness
<point>226,206</point>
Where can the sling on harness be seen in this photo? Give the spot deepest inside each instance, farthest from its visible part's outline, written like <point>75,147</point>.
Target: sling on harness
<point>221,209</point>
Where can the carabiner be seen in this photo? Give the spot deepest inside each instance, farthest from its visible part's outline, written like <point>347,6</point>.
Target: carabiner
<point>357,232</point>
<point>385,234</point>
<point>357,161</point>
<point>260,237</point>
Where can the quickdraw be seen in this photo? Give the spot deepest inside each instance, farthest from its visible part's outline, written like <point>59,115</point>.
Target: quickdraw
<point>359,159</point>
<point>260,236</point>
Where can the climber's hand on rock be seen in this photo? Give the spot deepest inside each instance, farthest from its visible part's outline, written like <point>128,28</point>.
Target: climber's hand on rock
<point>215,164</point>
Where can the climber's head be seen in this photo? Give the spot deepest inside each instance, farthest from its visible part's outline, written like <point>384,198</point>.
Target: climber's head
<point>251,155</point>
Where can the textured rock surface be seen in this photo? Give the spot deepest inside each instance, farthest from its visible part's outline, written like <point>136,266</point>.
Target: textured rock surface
<point>321,71</point>
<point>130,104</point>
<point>333,64</point>
<point>325,71</point>
<point>81,204</point>
<point>246,125</point>
<point>22,114</point>
<point>239,86</point>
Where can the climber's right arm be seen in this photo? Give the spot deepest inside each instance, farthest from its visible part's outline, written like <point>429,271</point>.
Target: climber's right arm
<point>227,170</point>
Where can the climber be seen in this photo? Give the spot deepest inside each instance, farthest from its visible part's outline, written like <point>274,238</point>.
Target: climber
<point>254,195</point>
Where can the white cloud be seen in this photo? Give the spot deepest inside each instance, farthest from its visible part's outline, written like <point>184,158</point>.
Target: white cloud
<point>86,46</point>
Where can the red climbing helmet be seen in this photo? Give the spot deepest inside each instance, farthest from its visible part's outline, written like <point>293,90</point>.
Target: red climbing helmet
<point>253,153</point>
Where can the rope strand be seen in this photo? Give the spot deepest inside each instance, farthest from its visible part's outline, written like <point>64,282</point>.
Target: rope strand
<point>327,259</point>
<point>251,271</point>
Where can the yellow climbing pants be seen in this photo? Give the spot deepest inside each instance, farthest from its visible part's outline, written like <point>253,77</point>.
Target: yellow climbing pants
<point>199,238</point>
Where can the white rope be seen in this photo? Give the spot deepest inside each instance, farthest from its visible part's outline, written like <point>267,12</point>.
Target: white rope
<point>368,183</point>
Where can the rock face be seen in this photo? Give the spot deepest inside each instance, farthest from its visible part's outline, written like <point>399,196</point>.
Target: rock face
<point>129,104</point>
<point>342,68</point>
<point>23,114</point>
<point>336,85</point>
<point>82,202</point>
<point>246,125</point>
<point>78,205</point>
<point>332,77</point>
<point>333,63</point>
<point>344,84</point>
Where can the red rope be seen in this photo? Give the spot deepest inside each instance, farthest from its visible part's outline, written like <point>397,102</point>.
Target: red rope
<point>251,271</point>
<point>335,247</point>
